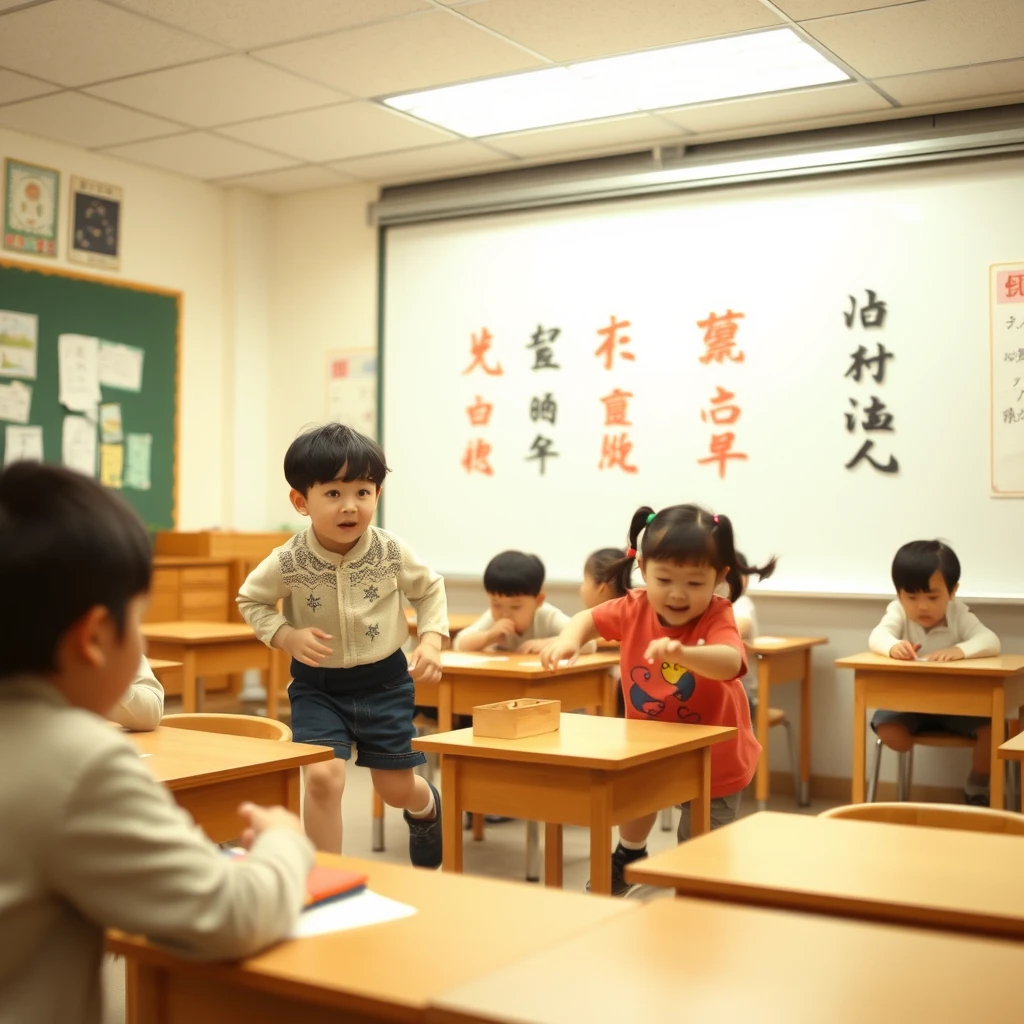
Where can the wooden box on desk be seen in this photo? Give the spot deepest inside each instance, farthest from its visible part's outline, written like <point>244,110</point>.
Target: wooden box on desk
<point>514,719</point>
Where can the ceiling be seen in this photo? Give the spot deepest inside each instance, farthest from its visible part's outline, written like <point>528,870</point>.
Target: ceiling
<point>284,95</point>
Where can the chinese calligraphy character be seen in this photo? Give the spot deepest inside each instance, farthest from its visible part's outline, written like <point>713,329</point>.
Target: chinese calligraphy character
<point>721,451</point>
<point>720,337</point>
<point>541,449</point>
<point>615,451</point>
<point>479,413</point>
<point>479,352</point>
<point>543,353</point>
<point>477,458</point>
<point>722,415</point>
<point>545,408</point>
<point>1014,285</point>
<point>875,416</point>
<point>860,360</point>
<point>1016,384</point>
<point>890,467</point>
<point>615,408</point>
<point>607,347</point>
<point>872,314</point>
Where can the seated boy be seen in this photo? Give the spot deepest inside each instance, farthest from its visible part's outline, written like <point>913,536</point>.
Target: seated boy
<point>927,621</point>
<point>89,838</point>
<point>142,705</point>
<point>518,619</point>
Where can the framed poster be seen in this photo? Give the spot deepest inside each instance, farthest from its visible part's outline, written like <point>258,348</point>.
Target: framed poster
<point>95,223</point>
<point>31,200</point>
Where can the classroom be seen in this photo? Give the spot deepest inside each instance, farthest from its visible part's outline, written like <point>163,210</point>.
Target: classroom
<point>553,471</point>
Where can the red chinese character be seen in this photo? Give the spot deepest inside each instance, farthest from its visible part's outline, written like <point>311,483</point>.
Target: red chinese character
<point>720,337</point>
<point>615,451</point>
<point>477,458</point>
<point>722,415</point>
<point>615,410</point>
<point>479,413</point>
<point>607,347</point>
<point>1014,285</point>
<point>479,352</point>
<point>721,451</point>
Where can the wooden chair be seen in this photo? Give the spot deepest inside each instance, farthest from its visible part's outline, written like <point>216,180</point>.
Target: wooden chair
<point>973,819</point>
<point>905,763</point>
<point>234,725</point>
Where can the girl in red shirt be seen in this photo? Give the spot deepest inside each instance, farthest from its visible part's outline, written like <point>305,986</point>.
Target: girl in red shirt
<point>682,657</point>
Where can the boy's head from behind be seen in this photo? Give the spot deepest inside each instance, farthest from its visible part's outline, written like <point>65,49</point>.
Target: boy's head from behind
<point>75,566</point>
<point>335,474</point>
<point>926,574</point>
<point>514,582</point>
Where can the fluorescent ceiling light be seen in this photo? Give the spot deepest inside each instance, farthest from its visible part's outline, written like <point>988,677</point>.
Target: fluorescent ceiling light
<point>716,69</point>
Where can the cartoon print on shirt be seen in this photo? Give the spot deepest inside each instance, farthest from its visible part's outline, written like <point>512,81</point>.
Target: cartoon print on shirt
<point>675,676</point>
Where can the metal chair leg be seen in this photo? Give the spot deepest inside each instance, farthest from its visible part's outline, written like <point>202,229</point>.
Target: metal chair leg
<point>875,768</point>
<point>666,819</point>
<point>909,785</point>
<point>532,851</point>
<point>903,773</point>
<point>794,764</point>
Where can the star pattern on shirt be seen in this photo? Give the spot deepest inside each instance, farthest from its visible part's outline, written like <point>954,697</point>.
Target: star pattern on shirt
<point>373,631</point>
<point>313,602</point>
<point>371,593</point>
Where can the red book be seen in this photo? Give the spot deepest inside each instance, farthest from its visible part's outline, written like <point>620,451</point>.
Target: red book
<point>322,884</point>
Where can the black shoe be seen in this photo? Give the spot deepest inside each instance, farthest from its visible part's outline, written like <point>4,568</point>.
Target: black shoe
<point>977,799</point>
<point>425,844</point>
<point>620,858</point>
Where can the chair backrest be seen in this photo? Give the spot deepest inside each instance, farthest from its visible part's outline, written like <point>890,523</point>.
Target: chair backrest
<point>235,725</point>
<point>975,819</point>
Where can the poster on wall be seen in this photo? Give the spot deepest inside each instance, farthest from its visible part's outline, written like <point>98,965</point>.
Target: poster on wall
<point>95,223</point>
<point>19,337</point>
<point>352,389</point>
<point>31,200</point>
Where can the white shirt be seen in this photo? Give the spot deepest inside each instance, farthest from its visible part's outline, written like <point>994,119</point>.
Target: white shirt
<point>548,621</point>
<point>142,706</point>
<point>960,628</point>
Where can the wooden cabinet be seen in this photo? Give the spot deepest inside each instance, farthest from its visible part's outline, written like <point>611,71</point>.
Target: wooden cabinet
<point>190,589</point>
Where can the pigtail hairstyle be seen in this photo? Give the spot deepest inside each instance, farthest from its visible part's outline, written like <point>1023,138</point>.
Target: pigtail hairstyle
<point>721,527</point>
<point>621,572</point>
<point>602,568</point>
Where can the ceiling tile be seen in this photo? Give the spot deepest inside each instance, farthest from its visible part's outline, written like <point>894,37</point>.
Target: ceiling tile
<point>295,179</point>
<point>755,111</point>
<point>334,133</point>
<point>76,42</point>
<point>244,24</point>
<point>217,91</point>
<point>577,29</point>
<point>82,121</point>
<point>14,87</point>
<point>612,133</point>
<point>201,155</point>
<point>805,10</point>
<point>956,83</point>
<point>924,36</point>
<point>416,164</point>
<point>412,53</point>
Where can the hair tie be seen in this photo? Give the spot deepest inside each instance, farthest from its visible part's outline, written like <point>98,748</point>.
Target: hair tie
<point>631,552</point>
<point>649,518</point>
<point>715,519</point>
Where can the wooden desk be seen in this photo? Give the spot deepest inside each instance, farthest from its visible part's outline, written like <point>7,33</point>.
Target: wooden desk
<point>211,773</point>
<point>677,960</point>
<point>168,673</point>
<point>939,878</point>
<point>465,927</point>
<point>211,648</point>
<point>593,771</point>
<point>1013,750</point>
<point>783,659</point>
<point>975,686</point>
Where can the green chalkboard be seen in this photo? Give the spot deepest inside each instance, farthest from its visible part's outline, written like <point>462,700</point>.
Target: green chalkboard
<point>115,311</point>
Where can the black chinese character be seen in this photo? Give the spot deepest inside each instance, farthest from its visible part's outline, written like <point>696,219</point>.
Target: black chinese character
<point>875,416</point>
<point>545,408</point>
<point>860,360</point>
<point>541,449</point>
<point>890,467</point>
<point>872,314</point>
<point>543,353</point>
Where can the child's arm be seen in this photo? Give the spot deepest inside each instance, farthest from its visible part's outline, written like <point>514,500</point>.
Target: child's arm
<point>484,633</point>
<point>713,661</point>
<point>549,622</point>
<point>978,641</point>
<point>580,630</point>
<point>425,590</point>
<point>142,706</point>
<point>887,637</point>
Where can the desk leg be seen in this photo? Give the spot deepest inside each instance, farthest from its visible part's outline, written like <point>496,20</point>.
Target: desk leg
<point>997,791</point>
<point>609,700</point>
<point>444,705</point>
<point>275,672</point>
<point>293,790</point>
<point>764,693</point>
<point>601,838</point>
<point>478,828</point>
<point>189,694</point>
<point>804,796</point>
<point>533,851</point>
<point>553,855</point>
<point>860,711</point>
<point>451,820</point>
<point>700,807</point>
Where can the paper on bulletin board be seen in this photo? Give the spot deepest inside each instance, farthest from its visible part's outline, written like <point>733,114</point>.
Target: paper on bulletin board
<point>19,335</point>
<point>23,444</point>
<point>120,366</point>
<point>138,459</point>
<point>78,445</point>
<point>1006,351</point>
<point>112,465</point>
<point>15,402</point>
<point>352,389</point>
<point>111,429</point>
<point>78,364</point>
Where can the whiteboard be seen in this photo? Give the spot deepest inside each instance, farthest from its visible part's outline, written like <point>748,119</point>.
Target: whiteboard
<point>793,258</point>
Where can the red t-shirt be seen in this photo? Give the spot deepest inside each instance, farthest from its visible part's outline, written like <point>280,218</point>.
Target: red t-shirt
<point>671,693</point>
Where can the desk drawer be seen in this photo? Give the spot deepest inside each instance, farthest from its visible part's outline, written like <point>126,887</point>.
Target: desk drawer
<point>204,605</point>
<point>212,577</point>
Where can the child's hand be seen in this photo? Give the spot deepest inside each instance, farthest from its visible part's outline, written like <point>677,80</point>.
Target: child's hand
<point>904,651</point>
<point>302,645</point>
<point>259,819</point>
<point>425,664</point>
<point>946,654</point>
<point>503,629</point>
<point>531,646</point>
<point>664,650</point>
<point>558,650</point>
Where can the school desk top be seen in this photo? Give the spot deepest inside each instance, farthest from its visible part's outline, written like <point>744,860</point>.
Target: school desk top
<point>783,644</point>
<point>715,963</point>
<point>518,666</point>
<point>1000,666</point>
<point>197,632</point>
<point>465,927</point>
<point>940,878</point>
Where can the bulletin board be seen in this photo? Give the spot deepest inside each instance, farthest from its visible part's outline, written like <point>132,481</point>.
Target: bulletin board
<point>811,357</point>
<point>136,321</point>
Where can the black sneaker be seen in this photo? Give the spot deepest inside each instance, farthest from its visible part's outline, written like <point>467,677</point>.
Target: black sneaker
<point>425,845</point>
<point>981,799</point>
<point>620,858</point>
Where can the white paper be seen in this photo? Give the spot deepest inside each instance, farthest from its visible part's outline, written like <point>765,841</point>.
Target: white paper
<point>356,911</point>
<point>23,444</point>
<point>78,360</point>
<point>138,460</point>
<point>111,429</point>
<point>78,445</point>
<point>15,402</point>
<point>120,366</point>
<point>18,342</point>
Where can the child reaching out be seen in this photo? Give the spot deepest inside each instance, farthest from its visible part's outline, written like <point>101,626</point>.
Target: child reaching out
<point>142,705</point>
<point>927,621</point>
<point>682,656</point>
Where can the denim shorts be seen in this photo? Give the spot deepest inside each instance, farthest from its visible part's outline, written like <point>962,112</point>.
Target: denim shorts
<point>368,705</point>
<point>917,723</point>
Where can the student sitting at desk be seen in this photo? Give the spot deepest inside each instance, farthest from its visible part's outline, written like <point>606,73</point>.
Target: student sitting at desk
<point>518,619</point>
<point>142,705</point>
<point>90,839</point>
<point>926,622</point>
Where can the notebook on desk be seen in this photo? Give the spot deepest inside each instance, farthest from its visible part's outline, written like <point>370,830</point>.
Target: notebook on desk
<point>322,883</point>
